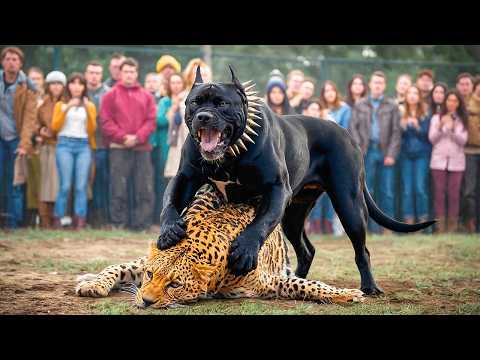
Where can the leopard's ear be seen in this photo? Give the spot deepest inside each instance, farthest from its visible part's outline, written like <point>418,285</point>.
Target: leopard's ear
<point>204,273</point>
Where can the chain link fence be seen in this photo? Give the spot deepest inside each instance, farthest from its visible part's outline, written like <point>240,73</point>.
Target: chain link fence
<point>257,67</point>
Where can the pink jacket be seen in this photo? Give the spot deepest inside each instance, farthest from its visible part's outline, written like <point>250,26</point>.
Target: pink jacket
<point>447,151</point>
<point>128,111</point>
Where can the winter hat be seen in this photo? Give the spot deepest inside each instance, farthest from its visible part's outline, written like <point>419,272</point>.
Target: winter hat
<point>276,81</point>
<point>56,76</point>
<point>166,60</point>
<point>277,73</point>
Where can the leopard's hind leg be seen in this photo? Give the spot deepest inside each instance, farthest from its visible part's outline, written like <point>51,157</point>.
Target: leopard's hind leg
<point>112,277</point>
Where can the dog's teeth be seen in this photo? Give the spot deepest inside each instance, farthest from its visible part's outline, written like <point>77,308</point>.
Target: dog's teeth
<point>250,130</point>
<point>248,138</point>
<point>241,144</point>
<point>253,123</point>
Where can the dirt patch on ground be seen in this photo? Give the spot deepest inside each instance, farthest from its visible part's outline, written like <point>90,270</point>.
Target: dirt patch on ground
<point>38,273</point>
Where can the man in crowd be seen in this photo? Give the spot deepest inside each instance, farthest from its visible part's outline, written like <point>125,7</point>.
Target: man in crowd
<point>375,126</point>
<point>307,89</point>
<point>114,69</point>
<point>294,82</point>
<point>425,81</point>
<point>18,106</point>
<point>100,214</point>
<point>128,114</point>
<point>464,86</point>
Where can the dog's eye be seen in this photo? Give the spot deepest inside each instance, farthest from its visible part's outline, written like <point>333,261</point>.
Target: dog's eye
<point>222,103</point>
<point>174,285</point>
<point>194,102</point>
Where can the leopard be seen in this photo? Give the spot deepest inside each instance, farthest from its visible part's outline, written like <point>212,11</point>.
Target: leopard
<point>196,268</point>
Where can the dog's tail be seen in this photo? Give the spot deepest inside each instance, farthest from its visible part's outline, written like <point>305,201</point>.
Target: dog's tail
<point>380,217</point>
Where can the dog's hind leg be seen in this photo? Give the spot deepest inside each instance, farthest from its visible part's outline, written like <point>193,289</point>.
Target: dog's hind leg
<point>293,224</point>
<point>353,213</point>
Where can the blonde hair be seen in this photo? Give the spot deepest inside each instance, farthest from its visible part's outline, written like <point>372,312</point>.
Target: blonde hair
<point>190,71</point>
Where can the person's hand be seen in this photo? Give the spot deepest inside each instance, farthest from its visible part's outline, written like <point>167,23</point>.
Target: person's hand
<point>39,139</point>
<point>130,141</point>
<point>73,102</point>
<point>46,132</point>
<point>389,161</point>
<point>21,151</point>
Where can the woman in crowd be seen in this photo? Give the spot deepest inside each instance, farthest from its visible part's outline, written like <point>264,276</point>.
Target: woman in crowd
<point>448,135</point>
<point>414,157</point>
<point>55,83</point>
<point>472,152</point>
<point>436,98</point>
<point>356,89</point>
<point>404,82</point>
<point>336,108</point>
<point>74,122</point>
<point>276,96</point>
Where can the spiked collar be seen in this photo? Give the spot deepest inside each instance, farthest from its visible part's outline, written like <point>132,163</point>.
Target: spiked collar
<point>253,109</point>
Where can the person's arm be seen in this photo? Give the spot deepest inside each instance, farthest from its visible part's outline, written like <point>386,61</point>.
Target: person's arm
<point>58,118</point>
<point>353,126</point>
<point>435,133</point>
<point>29,122</point>
<point>460,134</point>
<point>149,124</point>
<point>396,139</point>
<point>346,116</point>
<point>163,107</point>
<point>110,127</point>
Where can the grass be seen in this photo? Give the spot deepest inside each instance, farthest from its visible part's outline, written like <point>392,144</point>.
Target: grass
<point>420,274</point>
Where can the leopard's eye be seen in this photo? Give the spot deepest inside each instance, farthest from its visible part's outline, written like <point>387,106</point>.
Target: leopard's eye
<point>149,275</point>
<point>174,285</point>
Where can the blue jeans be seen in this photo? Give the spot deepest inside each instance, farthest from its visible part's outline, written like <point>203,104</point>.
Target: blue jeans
<point>158,161</point>
<point>380,177</point>
<point>14,195</point>
<point>414,175</point>
<point>73,155</point>
<point>101,184</point>
<point>323,209</point>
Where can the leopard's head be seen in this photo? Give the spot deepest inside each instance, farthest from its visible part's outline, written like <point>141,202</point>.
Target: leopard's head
<point>172,277</point>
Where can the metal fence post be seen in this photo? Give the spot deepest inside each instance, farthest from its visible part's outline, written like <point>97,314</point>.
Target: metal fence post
<point>57,57</point>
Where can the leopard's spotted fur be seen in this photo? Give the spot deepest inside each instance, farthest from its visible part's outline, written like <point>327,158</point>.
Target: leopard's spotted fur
<point>197,266</point>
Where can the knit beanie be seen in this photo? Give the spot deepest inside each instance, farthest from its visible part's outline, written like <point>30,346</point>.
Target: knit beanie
<point>276,81</point>
<point>56,76</point>
<point>166,60</point>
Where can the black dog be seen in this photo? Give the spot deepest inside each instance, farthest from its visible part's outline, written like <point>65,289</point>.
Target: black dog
<point>286,161</point>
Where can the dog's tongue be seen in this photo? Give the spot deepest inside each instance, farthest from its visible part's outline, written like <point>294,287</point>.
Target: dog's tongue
<point>210,138</point>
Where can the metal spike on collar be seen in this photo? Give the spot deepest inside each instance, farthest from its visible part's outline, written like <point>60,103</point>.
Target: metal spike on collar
<point>253,123</point>
<point>235,146</point>
<point>248,88</point>
<point>231,151</point>
<point>251,93</point>
<point>253,110</point>
<point>241,144</point>
<point>248,138</point>
<point>250,130</point>
<point>247,83</point>
<point>254,116</point>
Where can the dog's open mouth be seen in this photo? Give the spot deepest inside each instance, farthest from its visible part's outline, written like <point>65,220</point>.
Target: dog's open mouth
<point>212,140</point>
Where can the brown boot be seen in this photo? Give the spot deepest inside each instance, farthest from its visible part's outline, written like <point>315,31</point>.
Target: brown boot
<point>471,226</point>
<point>79,223</point>
<point>452,225</point>
<point>56,224</point>
<point>441,226</point>
<point>327,227</point>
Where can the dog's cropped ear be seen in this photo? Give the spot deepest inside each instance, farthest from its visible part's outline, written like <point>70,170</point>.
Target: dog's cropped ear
<point>198,77</point>
<point>235,80</point>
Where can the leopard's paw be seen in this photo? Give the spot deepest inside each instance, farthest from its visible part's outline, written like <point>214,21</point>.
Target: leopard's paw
<point>353,295</point>
<point>90,288</point>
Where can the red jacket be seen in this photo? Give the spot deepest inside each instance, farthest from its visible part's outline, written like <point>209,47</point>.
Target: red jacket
<point>128,111</point>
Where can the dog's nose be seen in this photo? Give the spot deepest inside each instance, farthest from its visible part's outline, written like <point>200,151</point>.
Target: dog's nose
<point>204,117</point>
<point>147,302</point>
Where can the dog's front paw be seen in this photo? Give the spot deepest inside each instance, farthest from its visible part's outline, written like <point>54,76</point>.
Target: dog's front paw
<point>171,233</point>
<point>243,256</point>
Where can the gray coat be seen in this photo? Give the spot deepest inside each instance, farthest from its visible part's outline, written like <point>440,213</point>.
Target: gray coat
<point>388,116</point>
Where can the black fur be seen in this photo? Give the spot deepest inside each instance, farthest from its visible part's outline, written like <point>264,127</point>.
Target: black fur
<point>293,161</point>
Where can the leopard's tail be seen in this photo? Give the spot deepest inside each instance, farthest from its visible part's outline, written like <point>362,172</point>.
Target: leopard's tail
<point>310,290</point>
